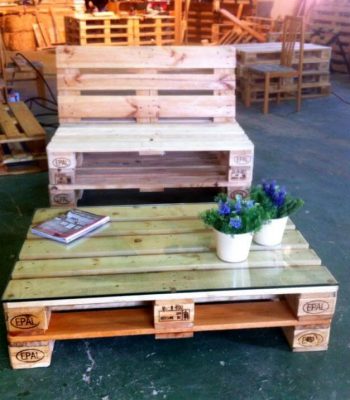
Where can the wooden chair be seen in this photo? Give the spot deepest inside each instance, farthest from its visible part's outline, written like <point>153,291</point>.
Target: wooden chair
<point>284,72</point>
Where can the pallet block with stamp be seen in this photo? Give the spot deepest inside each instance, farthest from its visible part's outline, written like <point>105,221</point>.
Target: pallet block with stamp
<point>22,141</point>
<point>147,118</point>
<point>153,270</point>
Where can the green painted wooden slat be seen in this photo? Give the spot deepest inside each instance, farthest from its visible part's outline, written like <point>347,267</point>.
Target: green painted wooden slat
<point>156,263</point>
<point>128,228</point>
<point>138,245</point>
<point>134,213</point>
<point>167,282</point>
<point>144,228</point>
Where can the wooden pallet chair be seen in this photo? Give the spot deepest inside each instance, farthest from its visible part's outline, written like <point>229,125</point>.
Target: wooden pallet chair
<point>147,118</point>
<point>293,31</point>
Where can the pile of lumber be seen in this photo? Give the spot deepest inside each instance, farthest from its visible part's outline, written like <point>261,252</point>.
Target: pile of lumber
<point>34,27</point>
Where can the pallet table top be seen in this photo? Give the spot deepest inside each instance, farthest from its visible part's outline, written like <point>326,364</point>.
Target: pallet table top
<point>151,251</point>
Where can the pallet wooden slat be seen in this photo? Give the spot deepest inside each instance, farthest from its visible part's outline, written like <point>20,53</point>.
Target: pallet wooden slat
<point>28,122</point>
<point>158,263</point>
<point>146,57</point>
<point>139,284</point>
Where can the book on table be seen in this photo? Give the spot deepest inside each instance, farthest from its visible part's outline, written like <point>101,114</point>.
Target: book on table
<point>69,226</point>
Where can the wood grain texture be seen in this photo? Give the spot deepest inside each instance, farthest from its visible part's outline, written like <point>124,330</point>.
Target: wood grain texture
<point>146,57</point>
<point>139,321</point>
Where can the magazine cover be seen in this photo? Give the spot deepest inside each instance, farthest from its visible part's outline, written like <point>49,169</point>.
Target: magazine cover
<point>69,226</point>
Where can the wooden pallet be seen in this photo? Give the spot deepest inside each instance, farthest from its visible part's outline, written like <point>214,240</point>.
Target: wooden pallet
<point>153,271</point>
<point>330,25</point>
<point>22,141</point>
<point>89,30</point>
<point>182,100</point>
<point>316,69</point>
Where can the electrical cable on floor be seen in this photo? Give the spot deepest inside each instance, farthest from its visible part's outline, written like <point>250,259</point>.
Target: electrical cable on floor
<point>340,98</point>
<point>41,76</point>
<point>36,100</point>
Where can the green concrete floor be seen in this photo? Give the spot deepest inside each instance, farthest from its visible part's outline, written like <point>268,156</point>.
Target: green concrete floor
<point>310,152</point>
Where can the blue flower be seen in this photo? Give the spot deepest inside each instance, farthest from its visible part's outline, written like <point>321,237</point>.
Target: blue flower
<point>279,197</point>
<point>250,204</point>
<point>224,208</point>
<point>269,188</point>
<point>235,222</point>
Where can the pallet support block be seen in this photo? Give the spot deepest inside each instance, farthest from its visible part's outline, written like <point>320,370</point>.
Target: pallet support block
<point>172,317</point>
<point>24,321</point>
<point>308,338</point>
<point>31,354</point>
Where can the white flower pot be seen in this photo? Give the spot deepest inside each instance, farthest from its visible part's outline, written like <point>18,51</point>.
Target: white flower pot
<point>233,248</point>
<point>271,233</point>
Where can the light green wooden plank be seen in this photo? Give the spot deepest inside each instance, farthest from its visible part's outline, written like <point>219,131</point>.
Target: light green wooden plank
<point>134,213</point>
<point>156,263</point>
<point>167,282</point>
<point>149,228</point>
<point>138,245</point>
<point>144,228</point>
<point>176,211</point>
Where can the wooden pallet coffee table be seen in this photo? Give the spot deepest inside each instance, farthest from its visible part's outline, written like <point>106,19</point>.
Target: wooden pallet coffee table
<point>153,270</point>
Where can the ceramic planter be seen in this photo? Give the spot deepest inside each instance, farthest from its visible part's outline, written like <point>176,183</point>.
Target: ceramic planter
<point>271,233</point>
<point>233,248</point>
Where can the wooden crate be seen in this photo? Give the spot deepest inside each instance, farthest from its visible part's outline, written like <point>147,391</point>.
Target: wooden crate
<point>316,65</point>
<point>90,30</point>
<point>168,121</point>
<point>22,141</point>
<point>153,271</point>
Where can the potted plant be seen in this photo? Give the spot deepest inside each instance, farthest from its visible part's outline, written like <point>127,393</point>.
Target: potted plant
<point>278,205</point>
<point>234,221</point>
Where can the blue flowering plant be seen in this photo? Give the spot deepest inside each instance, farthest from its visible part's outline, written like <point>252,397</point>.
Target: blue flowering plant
<point>234,216</point>
<point>275,199</point>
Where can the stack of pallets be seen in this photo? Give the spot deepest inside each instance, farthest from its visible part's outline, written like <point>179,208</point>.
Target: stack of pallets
<point>147,118</point>
<point>330,25</point>
<point>316,77</point>
<point>22,141</point>
<point>86,29</point>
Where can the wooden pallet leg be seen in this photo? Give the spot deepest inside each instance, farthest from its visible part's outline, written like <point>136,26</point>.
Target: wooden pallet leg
<point>31,354</point>
<point>63,198</point>
<point>308,338</point>
<point>25,321</point>
<point>240,172</point>
<point>173,319</point>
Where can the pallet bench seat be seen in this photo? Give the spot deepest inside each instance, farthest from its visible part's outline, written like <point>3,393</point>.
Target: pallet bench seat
<point>147,118</point>
<point>153,271</point>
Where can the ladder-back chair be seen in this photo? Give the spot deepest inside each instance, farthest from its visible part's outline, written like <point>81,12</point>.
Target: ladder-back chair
<point>286,71</point>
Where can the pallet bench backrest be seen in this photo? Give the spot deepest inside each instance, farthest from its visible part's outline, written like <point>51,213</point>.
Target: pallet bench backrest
<point>146,84</point>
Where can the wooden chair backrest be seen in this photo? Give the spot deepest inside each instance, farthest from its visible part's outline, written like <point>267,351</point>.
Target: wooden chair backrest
<point>146,84</point>
<point>293,32</point>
